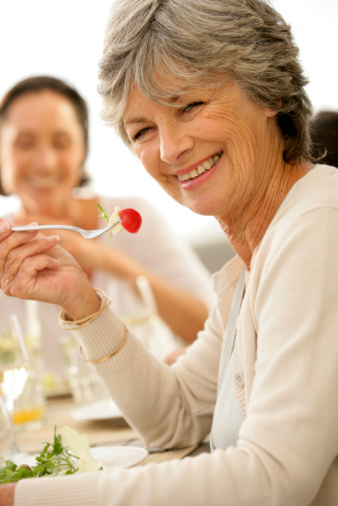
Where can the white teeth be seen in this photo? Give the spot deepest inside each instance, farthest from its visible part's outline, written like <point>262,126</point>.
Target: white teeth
<point>200,169</point>
<point>207,164</point>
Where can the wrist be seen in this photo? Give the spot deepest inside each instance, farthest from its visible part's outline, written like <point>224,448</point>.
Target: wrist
<point>73,323</point>
<point>84,306</point>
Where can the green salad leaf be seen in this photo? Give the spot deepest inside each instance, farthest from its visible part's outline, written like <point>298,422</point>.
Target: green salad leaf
<point>54,460</point>
<point>103,213</point>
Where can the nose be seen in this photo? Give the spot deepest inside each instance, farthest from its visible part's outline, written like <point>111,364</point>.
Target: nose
<point>45,157</point>
<point>174,142</point>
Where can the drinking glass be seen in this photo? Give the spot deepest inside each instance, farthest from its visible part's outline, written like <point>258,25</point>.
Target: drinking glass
<point>29,408</point>
<point>83,382</point>
<point>13,373</point>
<point>140,313</point>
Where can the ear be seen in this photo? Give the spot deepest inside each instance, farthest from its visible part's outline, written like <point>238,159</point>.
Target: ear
<point>273,112</point>
<point>270,113</point>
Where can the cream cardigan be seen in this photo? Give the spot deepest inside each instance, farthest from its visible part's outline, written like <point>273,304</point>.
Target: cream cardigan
<point>286,381</point>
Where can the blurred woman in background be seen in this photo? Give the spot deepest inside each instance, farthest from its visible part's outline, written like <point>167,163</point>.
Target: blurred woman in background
<point>43,149</point>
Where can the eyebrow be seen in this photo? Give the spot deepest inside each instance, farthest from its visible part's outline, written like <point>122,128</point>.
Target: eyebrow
<point>135,120</point>
<point>140,119</point>
<point>25,132</point>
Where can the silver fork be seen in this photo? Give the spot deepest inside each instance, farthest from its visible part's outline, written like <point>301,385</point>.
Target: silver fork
<point>87,234</point>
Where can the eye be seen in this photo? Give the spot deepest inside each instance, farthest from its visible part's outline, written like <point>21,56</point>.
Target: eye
<point>24,142</point>
<point>141,132</point>
<point>191,106</point>
<point>61,142</point>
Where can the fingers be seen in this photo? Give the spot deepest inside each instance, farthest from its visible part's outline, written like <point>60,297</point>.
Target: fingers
<point>16,256</point>
<point>17,247</point>
<point>9,240</point>
<point>24,283</point>
<point>5,230</point>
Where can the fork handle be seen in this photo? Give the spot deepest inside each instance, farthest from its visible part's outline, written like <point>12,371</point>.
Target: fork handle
<point>40,227</point>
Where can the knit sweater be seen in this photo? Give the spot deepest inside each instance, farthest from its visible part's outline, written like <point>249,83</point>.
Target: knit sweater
<point>285,376</point>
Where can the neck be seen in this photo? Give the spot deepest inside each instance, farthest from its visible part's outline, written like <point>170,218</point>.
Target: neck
<point>79,212</point>
<point>246,230</point>
<point>48,208</point>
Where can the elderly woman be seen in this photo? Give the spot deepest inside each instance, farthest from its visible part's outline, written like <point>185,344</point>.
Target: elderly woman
<point>210,96</point>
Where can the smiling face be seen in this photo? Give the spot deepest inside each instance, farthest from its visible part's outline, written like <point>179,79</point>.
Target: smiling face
<point>41,150</point>
<point>214,152</point>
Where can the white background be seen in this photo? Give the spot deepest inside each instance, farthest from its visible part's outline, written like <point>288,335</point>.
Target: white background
<point>64,38</point>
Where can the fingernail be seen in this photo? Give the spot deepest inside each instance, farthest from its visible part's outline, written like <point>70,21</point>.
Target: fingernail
<point>32,224</point>
<point>4,227</point>
<point>53,237</point>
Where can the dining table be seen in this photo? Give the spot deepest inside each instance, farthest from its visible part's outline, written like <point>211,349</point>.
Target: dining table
<point>115,431</point>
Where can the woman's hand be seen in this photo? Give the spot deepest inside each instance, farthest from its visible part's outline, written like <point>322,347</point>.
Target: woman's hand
<point>33,266</point>
<point>7,494</point>
<point>171,358</point>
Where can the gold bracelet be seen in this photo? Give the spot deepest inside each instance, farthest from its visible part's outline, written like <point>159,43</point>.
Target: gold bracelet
<point>107,357</point>
<point>77,324</point>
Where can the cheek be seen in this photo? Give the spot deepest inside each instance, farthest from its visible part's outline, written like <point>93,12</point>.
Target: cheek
<point>7,179</point>
<point>242,140</point>
<point>10,164</point>
<point>69,174</point>
<point>149,159</point>
<point>72,160</point>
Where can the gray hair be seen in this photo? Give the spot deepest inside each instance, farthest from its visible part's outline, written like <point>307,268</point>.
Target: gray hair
<point>199,42</point>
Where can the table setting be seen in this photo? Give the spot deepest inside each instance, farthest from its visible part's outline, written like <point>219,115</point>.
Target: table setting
<point>82,407</point>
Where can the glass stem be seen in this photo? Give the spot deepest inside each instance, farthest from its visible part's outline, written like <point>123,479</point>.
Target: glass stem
<point>7,407</point>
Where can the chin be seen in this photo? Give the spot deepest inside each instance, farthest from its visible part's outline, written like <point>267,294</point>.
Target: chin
<point>202,206</point>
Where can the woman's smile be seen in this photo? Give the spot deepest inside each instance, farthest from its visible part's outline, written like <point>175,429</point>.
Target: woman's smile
<point>43,182</point>
<point>203,167</point>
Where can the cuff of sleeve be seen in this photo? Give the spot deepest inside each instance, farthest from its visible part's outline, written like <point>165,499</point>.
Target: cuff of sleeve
<point>101,337</point>
<point>77,490</point>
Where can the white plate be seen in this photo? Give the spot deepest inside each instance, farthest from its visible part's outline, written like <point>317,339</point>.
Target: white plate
<point>100,410</point>
<point>108,456</point>
<point>118,456</point>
